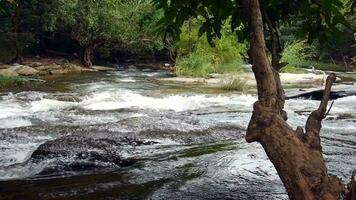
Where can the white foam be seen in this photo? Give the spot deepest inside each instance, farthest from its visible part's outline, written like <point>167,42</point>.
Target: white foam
<point>342,105</point>
<point>178,103</point>
<point>138,115</point>
<point>49,104</point>
<point>9,109</point>
<point>14,123</point>
<point>15,152</point>
<point>127,80</point>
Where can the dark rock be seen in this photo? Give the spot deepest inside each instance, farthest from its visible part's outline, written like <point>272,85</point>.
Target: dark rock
<point>337,92</point>
<point>87,149</point>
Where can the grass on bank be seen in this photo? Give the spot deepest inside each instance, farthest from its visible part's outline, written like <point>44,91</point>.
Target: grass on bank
<point>233,83</point>
<point>11,81</point>
<point>18,81</point>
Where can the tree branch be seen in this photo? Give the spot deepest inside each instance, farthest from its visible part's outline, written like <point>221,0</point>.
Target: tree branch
<point>276,66</point>
<point>313,124</point>
<point>266,83</point>
<point>275,43</point>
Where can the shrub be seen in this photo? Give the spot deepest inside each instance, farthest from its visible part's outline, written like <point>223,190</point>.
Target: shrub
<point>195,64</point>
<point>233,83</point>
<point>300,54</point>
<point>197,58</point>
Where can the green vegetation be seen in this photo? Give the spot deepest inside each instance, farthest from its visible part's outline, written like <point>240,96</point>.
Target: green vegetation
<point>301,54</point>
<point>197,58</point>
<point>292,69</point>
<point>234,83</point>
<point>83,26</point>
<point>11,81</point>
<point>97,23</point>
<point>112,29</point>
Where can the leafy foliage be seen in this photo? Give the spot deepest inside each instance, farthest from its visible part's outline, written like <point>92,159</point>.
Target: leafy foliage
<point>97,21</point>
<point>301,54</point>
<point>313,18</point>
<point>197,58</point>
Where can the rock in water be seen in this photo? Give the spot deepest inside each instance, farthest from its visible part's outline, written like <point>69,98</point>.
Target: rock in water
<point>338,91</point>
<point>25,70</point>
<point>101,68</point>
<point>85,152</point>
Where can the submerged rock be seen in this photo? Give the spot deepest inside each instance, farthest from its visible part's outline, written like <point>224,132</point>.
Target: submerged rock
<point>90,151</point>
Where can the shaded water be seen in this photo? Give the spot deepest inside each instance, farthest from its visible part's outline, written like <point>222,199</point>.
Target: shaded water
<point>126,135</point>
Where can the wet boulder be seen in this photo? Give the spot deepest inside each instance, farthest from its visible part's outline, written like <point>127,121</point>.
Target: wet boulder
<point>91,150</point>
<point>337,92</point>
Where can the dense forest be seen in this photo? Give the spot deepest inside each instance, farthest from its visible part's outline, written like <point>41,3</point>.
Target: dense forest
<point>114,30</point>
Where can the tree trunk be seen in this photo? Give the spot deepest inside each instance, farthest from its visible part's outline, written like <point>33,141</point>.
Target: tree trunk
<point>351,195</point>
<point>88,55</point>
<point>275,50</point>
<point>190,30</point>
<point>296,155</point>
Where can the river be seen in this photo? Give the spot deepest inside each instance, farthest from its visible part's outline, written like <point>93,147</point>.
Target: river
<point>127,135</point>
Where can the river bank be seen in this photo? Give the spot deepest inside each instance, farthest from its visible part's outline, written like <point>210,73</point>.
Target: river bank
<point>248,78</point>
<point>39,72</point>
<point>35,71</point>
<point>46,67</point>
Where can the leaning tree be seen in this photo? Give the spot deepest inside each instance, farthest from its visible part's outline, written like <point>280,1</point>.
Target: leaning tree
<point>296,154</point>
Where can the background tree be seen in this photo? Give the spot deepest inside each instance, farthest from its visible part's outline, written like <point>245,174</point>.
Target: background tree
<point>296,154</point>
<point>19,25</point>
<point>93,23</point>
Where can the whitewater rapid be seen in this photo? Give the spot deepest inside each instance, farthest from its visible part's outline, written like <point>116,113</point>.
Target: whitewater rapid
<point>134,104</point>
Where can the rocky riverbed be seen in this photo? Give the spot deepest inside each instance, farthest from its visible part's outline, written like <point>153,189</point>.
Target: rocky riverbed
<point>46,67</point>
<point>130,135</point>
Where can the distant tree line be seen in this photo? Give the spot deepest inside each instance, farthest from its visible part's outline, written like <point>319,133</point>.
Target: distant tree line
<point>110,28</point>
<point>85,25</point>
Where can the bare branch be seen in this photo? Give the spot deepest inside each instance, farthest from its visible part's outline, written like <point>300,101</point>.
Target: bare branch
<point>331,106</point>
<point>313,124</point>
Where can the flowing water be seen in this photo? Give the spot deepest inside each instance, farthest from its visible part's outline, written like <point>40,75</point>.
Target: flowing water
<point>126,135</point>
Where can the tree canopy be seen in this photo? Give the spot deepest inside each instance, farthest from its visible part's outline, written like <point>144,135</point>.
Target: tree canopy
<point>93,23</point>
<point>90,23</point>
<point>317,19</point>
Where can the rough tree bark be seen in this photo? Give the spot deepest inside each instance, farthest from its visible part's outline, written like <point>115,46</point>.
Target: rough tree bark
<point>296,155</point>
<point>276,51</point>
<point>351,193</point>
<point>88,55</point>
